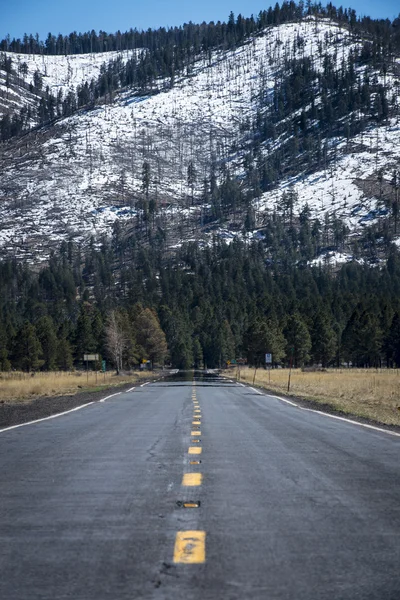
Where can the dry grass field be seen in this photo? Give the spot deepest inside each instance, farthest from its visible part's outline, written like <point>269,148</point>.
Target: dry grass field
<point>370,393</point>
<point>23,387</point>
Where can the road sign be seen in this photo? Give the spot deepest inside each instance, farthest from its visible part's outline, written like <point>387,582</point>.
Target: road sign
<point>268,359</point>
<point>103,366</point>
<point>90,357</point>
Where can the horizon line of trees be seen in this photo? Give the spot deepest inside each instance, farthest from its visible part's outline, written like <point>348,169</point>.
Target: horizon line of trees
<point>198,37</point>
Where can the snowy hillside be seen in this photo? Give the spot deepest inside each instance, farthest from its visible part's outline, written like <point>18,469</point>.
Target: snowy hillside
<point>58,73</point>
<point>78,177</point>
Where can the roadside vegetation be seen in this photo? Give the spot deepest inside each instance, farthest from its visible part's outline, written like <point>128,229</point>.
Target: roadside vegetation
<point>369,393</point>
<point>23,387</point>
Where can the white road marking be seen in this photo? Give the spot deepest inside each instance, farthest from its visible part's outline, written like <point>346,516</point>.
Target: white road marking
<point>112,395</point>
<point>256,391</point>
<point>147,383</point>
<point>325,414</point>
<point>319,412</point>
<point>66,412</point>
<point>131,390</point>
<point>287,401</point>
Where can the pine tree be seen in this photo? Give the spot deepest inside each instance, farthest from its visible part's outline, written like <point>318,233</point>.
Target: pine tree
<point>84,341</point>
<point>197,354</point>
<point>146,178</point>
<point>5,364</point>
<point>392,341</point>
<point>150,336</point>
<point>64,354</point>
<point>362,338</point>
<point>28,351</point>
<point>191,179</point>
<point>298,340</point>
<point>323,339</point>
<point>48,340</point>
<point>264,336</point>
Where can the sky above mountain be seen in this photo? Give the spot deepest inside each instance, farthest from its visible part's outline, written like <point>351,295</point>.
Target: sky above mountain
<point>42,16</point>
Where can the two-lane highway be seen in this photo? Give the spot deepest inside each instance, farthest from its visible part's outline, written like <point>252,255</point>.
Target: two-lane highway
<point>198,488</point>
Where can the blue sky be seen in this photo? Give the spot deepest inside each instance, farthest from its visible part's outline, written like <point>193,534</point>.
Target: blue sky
<point>64,16</point>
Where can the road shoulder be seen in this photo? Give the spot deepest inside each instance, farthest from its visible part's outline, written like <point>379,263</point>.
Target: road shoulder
<point>16,413</point>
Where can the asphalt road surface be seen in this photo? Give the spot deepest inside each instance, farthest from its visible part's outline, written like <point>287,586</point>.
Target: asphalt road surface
<point>109,503</point>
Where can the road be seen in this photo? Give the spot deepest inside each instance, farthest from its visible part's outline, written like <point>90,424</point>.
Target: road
<point>107,503</point>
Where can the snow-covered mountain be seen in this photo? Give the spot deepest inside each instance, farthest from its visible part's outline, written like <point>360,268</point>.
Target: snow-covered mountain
<point>76,177</point>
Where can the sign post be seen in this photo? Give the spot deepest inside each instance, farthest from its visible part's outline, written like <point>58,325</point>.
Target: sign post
<point>268,361</point>
<point>290,368</point>
<point>91,358</point>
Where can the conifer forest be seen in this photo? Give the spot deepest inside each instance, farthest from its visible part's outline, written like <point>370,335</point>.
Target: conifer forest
<point>202,245</point>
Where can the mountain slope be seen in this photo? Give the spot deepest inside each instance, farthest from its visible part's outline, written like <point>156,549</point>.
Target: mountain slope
<point>222,140</point>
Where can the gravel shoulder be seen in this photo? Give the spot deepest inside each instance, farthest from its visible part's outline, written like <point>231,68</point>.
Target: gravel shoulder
<point>16,413</point>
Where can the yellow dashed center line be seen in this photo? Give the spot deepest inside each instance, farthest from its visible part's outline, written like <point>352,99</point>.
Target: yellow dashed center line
<point>190,547</point>
<point>192,479</point>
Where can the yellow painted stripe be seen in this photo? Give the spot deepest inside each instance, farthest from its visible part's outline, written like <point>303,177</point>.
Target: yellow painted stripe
<point>196,422</point>
<point>192,479</point>
<point>197,432</point>
<point>190,547</point>
<point>195,450</point>
<point>197,410</point>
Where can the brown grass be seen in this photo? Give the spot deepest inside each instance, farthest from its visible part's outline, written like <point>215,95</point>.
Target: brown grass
<point>370,393</point>
<point>16,386</point>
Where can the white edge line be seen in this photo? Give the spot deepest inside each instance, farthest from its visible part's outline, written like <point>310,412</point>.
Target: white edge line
<point>287,401</point>
<point>130,390</point>
<point>46,418</point>
<point>319,412</point>
<point>143,384</point>
<point>324,414</point>
<point>107,397</point>
<point>256,391</point>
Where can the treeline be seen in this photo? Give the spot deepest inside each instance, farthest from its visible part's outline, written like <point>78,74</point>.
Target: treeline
<point>195,38</point>
<point>201,307</point>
